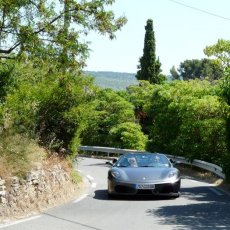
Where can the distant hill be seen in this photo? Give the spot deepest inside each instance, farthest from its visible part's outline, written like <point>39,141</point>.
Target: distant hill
<point>114,80</point>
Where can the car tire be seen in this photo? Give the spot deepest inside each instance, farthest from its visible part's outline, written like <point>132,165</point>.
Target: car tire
<point>177,195</point>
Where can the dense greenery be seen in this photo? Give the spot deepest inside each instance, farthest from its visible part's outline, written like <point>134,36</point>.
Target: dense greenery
<point>42,52</point>
<point>63,111</point>
<point>184,118</point>
<point>52,30</point>
<point>113,123</point>
<point>201,69</point>
<point>45,99</point>
<point>188,121</point>
<point>150,66</point>
<point>221,51</point>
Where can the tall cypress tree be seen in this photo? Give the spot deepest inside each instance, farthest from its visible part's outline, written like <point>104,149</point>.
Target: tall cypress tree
<point>150,66</point>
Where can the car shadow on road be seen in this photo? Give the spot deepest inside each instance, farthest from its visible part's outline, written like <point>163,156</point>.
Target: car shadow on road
<point>201,211</point>
<point>99,164</point>
<point>102,195</point>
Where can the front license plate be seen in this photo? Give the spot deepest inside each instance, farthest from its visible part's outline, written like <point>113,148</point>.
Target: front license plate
<point>145,186</point>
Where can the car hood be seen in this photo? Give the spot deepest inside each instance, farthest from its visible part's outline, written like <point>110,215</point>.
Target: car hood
<point>146,175</point>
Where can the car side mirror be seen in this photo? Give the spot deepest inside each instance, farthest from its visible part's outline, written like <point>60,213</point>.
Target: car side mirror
<point>111,163</point>
<point>173,162</point>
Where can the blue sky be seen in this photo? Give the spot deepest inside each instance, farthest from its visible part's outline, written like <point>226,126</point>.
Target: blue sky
<point>181,33</point>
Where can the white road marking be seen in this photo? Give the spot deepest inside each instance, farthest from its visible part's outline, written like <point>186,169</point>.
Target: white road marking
<point>94,185</point>
<point>90,178</point>
<point>80,198</point>
<point>216,192</point>
<point>19,221</point>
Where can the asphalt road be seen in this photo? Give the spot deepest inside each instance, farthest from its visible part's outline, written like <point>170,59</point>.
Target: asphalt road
<point>200,206</point>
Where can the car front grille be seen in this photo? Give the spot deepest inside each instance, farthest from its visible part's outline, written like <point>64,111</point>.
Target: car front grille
<point>124,189</point>
<point>159,189</point>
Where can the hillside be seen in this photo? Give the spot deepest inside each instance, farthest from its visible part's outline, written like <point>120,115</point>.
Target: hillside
<point>114,80</point>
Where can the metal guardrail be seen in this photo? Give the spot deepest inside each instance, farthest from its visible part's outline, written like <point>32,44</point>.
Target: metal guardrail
<point>201,164</point>
<point>97,149</point>
<point>198,163</point>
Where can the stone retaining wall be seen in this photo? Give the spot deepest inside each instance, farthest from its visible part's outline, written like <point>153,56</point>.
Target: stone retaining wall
<point>42,188</point>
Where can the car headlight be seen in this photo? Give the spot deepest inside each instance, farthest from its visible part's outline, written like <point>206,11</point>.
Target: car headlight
<point>173,174</point>
<point>115,174</point>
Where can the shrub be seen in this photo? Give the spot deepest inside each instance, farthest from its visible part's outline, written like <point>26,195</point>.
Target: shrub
<point>188,120</point>
<point>128,135</point>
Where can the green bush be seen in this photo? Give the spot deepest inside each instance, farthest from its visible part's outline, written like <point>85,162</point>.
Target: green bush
<point>188,120</point>
<point>40,103</point>
<point>128,135</point>
<point>110,110</point>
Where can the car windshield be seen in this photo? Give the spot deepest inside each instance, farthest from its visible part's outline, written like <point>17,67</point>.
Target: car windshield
<point>143,160</point>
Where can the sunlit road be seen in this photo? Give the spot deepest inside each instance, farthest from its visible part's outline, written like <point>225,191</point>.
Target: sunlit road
<point>200,206</point>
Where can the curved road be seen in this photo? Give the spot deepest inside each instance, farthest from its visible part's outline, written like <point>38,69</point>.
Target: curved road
<point>200,206</point>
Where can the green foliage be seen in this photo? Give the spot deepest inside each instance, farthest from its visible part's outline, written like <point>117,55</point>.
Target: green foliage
<point>52,30</point>
<point>41,105</point>
<point>110,110</point>
<point>66,110</point>
<point>202,131</point>
<point>187,120</point>
<point>140,93</point>
<point>149,68</point>
<point>138,96</point>
<point>5,79</point>
<point>221,51</point>
<point>174,73</point>
<point>128,135</point>
<point>201,69</point>
<point>24,96</point>
<point>76,178</point>
<point>225,94</point>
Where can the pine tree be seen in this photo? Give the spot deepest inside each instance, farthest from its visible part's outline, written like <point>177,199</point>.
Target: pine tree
<point>150,66</point>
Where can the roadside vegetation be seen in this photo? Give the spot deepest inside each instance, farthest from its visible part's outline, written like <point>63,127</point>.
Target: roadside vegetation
<point>48,105</point>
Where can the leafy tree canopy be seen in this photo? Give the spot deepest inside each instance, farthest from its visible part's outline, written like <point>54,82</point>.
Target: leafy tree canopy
<point>52,29</point>
<point>187,120</point>
<point>196,68</point>
<point>128,135</point>
<point>220,50</point>
<point>110,110</point>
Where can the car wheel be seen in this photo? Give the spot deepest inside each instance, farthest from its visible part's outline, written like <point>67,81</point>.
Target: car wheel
<point>176,195</point>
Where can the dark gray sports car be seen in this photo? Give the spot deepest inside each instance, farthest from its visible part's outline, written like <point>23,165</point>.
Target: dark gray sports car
<point>143,174</point>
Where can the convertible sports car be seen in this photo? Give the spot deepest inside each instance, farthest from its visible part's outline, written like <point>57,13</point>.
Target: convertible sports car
<point>143,174</point>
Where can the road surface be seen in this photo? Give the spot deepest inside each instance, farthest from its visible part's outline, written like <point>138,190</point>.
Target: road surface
<point>200,206</point>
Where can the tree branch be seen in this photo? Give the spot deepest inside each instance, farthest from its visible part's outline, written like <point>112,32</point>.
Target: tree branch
<point>10,49</point>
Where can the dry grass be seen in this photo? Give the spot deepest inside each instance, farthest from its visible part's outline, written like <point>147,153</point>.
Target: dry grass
<point>18,154</point>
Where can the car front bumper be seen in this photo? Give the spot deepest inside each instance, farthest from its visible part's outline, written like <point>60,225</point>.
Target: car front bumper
<point>126,188</point>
